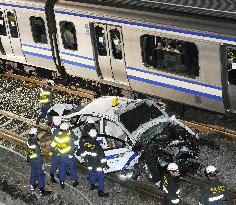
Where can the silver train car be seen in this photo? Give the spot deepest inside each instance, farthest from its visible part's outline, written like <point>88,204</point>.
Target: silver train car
<point>187,56</point>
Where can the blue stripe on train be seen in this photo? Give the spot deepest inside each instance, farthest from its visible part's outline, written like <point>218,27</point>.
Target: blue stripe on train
<point>175,78</point>
<point>79,56</point>
<point>38,55</point>
<point>79,64</point>
<point>39,47</point>
<point>185,90</point>
<point>22,7</point>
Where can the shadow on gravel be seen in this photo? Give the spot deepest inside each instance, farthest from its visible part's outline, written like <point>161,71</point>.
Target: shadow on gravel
<point>15,192</point>
<point>211,141</point>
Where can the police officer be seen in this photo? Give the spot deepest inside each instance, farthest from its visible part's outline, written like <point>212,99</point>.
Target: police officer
<point>45,100</point>
<point>34,157</point>
<point>64,144</point>
<point>213,193</point>
<point>55,161</point>
<point>94,157</point>
<point>170,186</point>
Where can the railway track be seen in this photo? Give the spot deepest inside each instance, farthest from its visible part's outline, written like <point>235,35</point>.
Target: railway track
<point>13,129</point>
<point>10,136</point>
<point>90,95</point>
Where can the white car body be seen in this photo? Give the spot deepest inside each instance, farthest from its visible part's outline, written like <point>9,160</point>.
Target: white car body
<point>119,140</point>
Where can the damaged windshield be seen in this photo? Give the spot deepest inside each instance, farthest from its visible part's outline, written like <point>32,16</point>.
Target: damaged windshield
<point>141,114</point>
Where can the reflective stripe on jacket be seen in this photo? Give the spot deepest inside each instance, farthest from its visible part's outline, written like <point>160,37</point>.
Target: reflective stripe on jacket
<point>44,96</point>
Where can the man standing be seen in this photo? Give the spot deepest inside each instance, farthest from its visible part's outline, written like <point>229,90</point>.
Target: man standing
<point>45,100</point>
<point>213,193</point>
<point>34,157</point>
<point>170,186</point>
<point>64,144</point>
<point>55,161</point>
<point>94,157</point>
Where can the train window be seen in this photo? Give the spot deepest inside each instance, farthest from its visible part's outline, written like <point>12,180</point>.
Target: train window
<point>68,35</point>
<point>100,41</point>
<point>12,24</point>
<point>231,62</point>
<point>2,25</point>
<point>116,44</point>
<point>38,29</point>
<point>171,55</point>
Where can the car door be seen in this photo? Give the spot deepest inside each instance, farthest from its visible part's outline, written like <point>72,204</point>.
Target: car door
<point>119,155</point>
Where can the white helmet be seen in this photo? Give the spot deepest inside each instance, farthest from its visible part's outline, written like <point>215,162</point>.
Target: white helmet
<point>93,133</point>
<point>210,169</point>
<point>50,82</point>
<point>172,167</point>
<point>64,126</point>
<point>33,131</point>
<point>57,120</point>
<point>90,120</point>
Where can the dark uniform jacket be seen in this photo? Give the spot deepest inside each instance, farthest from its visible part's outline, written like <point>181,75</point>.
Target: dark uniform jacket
<point>33,151</point>
<point>171,189</point>
<point>92,152</point>
<point>213,193</point>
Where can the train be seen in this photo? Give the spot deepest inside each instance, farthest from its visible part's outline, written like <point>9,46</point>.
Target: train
<point>185,54</point>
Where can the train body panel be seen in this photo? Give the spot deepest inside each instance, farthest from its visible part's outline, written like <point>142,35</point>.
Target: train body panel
<point>178,57</point>
<point>32,49</point>
<point>76,52</point>
<point>10,34</point>
<point>203,91</point>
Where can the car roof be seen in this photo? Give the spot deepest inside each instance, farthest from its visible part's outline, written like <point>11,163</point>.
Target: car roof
<point>103,107</point>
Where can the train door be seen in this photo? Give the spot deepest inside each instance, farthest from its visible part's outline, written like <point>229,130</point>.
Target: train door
<point>10,40</point>
<point>230,78</point>
<point>108,43</point>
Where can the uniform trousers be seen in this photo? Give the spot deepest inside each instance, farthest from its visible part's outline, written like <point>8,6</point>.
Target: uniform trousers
<point>65,162</point>
<point>55,163</point>
<point>37,173</point>
<point>97,177</point>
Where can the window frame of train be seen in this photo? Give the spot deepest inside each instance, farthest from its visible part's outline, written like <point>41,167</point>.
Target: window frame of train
<point>231,64</point>
<point>12,22</point>
<point>175,56</point>
<point>43,34</point>
<point>108,45</point>
<point>3,29</point>
<point>71,28</point>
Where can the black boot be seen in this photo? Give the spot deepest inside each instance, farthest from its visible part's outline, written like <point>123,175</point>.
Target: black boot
<point>75,183</point>
<point>62,184</point>
<point>52,178</point>
<point>35,186</point>
<point>102,194</point>
<point>93,187</point>
<point>67,173</point>
<point>44,193</point>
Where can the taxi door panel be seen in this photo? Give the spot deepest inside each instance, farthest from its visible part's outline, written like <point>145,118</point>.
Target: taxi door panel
<point>119,159</point>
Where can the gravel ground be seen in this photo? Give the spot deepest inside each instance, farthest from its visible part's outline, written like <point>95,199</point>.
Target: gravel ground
<point>223,157</point>
<point>17,98</point>
<point>14,182</point>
